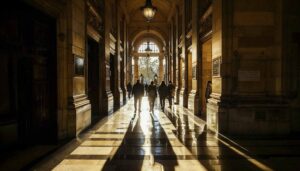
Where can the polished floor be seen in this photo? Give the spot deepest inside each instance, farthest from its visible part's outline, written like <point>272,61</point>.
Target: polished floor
<point>169,140</point>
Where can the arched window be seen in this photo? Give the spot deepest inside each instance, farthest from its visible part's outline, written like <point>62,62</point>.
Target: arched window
<point>152,46</point>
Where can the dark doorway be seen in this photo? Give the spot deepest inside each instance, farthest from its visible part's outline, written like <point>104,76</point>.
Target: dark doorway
<point>28,47</point>
<point>113,79</point>
<point>93,77</point>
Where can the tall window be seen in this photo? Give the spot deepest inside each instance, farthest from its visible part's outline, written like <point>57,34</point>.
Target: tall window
<point>152,46</point>
<point>148,66</point>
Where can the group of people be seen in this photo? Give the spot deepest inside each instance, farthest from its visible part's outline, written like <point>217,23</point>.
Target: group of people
<point>164,91</point>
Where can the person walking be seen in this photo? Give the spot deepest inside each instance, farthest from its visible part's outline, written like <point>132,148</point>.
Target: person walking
<point>208,91</point>
<point>171,93</point>
<point>129,89</point>
<point>146,89</point>
<point>152,93</point>
<point>138,93</point>
<point>163,93</point>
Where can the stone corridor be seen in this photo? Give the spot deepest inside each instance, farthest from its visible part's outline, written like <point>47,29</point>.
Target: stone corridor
<point>69,67</point>
<point>170,140</point>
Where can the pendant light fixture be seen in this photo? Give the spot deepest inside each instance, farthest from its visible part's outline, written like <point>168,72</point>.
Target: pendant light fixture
<point>148,50</point>
<point>148,10</point>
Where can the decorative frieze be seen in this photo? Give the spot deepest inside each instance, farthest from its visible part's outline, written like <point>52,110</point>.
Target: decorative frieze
<point>203,6</point>
<point>205,26</point>
<point>112,44</point>
<point>94,20</point>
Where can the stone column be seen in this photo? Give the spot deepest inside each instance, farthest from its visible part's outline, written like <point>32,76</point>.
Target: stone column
<point>186,57</point>
<point>118,98</point>
<point>177,80</point>
<point>161,69</point>
<point>124,62</point>
<point>136,68</point>
<point>193,76</point>
<point>184,68</point>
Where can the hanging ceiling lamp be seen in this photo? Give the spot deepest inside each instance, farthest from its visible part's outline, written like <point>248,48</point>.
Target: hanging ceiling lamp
<point>148,50</point>
<point>148,10</point>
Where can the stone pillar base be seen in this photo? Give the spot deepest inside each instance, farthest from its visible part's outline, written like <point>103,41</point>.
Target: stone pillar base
<point>109,108</point>
<point>124,96</point>
<point>212,113</point>
<point>181,97</point>
<point>186,98</point>
<point>117,99</point>
<point>79,114</point>
<point>248,116</point>
<point>197,106</point>
<point>191,101</point>
<point>177,95</point>
<point>121,94</point>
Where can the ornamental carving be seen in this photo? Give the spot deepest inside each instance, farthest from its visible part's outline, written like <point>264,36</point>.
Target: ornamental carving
<point>205,26</point>
<point>203,6</point>
<point>93,18</point>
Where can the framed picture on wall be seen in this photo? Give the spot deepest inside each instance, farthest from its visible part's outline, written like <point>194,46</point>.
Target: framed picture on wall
<point>78,66</point>
<point>194,72</point>
<point>216,67</point>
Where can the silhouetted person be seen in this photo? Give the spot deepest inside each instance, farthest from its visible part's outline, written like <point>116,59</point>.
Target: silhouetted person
<point>171,91</point>
<point>208,90</point>
<point>163,93</point>
<point>138,93</point>
<point>129,89</point>
<point>146,89</point>
<point>152,95</point>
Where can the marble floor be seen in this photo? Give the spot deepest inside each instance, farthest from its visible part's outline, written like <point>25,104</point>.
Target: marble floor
<point>170,140</point>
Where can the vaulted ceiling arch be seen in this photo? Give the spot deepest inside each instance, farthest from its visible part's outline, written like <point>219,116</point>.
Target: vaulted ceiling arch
<point>153,39</point>
<point>159,25</point>
<point>149,33</point>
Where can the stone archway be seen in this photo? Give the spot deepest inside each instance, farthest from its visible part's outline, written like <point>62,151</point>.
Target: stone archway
<point>148,65</point>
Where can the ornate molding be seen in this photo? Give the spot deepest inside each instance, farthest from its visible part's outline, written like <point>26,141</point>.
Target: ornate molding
<point>204,6</point>
<point>180,41</point>
<point>205,26</point>
<point>94,20</point>
<point>189,34</point>
<point>112,44</point>
<point>77,101</point>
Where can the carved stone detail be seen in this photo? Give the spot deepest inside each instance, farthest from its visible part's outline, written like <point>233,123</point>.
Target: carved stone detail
<point>205,26</point>
<point>93,18</point>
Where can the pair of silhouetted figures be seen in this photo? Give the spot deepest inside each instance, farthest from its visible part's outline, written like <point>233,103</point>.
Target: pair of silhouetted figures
<point>164,91</point>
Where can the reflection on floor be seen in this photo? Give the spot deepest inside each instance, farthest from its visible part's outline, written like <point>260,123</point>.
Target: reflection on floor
<point>171,140</point>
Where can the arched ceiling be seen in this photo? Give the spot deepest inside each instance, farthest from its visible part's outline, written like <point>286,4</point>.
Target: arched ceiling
<point>159,24</point>
<point>145,38</point>
<point>149,34</point>
<point>163,9</point>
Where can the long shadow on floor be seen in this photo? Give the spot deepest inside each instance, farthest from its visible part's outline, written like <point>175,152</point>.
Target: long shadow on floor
<point>119,159</point>
<point>144,147</point>
<point>214,152</point>
<point>161,148</point>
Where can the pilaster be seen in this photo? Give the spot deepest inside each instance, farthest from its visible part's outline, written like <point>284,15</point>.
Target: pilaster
<point>136,68</point>
<point>161,69</point>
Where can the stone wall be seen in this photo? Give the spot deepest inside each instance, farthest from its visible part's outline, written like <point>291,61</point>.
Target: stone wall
<point>74,110</point>
<point>248,95</point>
<point>80,109</point>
